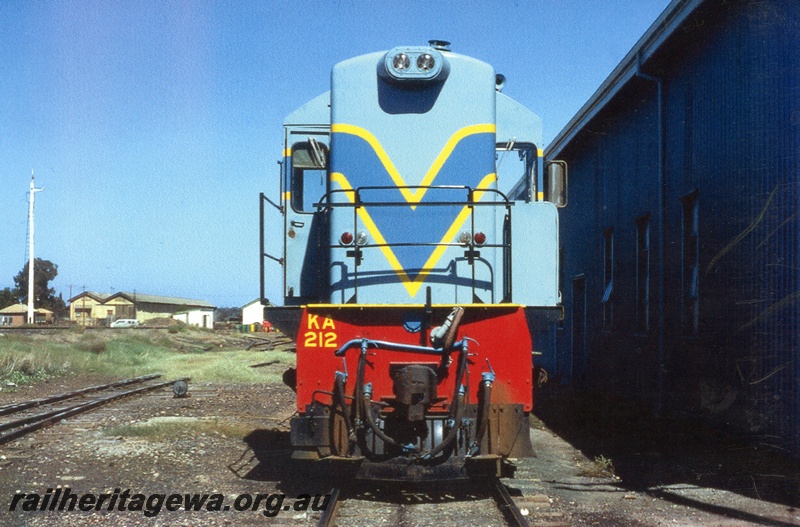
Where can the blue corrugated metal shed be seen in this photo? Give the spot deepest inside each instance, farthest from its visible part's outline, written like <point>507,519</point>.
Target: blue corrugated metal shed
<point>681,269</point>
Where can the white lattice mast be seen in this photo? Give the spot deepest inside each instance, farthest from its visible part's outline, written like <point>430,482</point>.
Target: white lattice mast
<point>30,252</point>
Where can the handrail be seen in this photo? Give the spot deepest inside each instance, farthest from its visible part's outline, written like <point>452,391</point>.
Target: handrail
<point>355,202</point>
<point>326,202</point>
<point>262,243</point>
<point>364,344</point>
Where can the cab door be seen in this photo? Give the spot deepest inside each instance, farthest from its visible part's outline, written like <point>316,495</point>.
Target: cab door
<point>305,239</point>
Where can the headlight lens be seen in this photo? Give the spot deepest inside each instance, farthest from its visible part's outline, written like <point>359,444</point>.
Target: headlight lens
<point>401,62</point>
<point>426,62</point>
<point>414,64</point>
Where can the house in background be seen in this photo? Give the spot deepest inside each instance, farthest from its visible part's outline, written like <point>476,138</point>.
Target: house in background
<point>253,313</point>
<point>97,309</point>
<point>91,308</point>
<point>202,317</point>
<point>17,315</point>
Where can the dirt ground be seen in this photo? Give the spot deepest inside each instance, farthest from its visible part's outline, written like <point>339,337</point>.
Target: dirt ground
<point>233,441</point>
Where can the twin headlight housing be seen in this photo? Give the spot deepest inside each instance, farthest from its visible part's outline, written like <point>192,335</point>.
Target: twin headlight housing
<point>415,63</point>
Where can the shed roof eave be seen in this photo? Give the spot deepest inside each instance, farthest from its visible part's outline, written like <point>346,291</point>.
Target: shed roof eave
<point>673,16</point>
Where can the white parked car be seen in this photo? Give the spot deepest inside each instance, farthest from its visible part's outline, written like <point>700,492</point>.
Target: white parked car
<point>125,323</point>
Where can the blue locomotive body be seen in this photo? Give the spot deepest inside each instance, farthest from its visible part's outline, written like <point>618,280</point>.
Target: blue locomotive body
<point>387,178</point>
<point>413,178</point>
<point>392,208</point>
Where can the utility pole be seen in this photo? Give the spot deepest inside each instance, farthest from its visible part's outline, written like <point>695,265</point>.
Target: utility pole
<point>83,310</point>
<point>30,251</point>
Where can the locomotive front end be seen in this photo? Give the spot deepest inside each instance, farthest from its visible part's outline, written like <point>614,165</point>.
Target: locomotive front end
<point>404,407</point>
<point>413,360</point>
<point>411,169</point>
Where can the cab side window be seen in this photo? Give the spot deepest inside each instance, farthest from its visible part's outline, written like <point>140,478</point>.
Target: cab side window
<point>515,163</point>
<point>309,174</point>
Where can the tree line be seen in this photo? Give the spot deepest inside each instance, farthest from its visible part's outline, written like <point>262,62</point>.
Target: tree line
<point>44,272</point>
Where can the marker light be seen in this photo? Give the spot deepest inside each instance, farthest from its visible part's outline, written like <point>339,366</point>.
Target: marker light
<point>401,62</point>
<point>346,238</point>
<point>480,238</point>
<point>426,62</point>
<point>464,237</point>
<point>361,238</point>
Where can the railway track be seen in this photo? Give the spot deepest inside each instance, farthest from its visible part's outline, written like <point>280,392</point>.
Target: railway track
<point>505,504</point>
<point>30,422</point>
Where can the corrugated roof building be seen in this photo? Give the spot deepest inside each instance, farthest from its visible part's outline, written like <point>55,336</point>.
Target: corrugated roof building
<point>17,315</point>
<point>91,308</point>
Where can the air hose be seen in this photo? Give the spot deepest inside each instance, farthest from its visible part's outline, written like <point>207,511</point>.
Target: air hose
<point>362,400</point>
<point>338,390</point>
<point>370,417</point>
<point>457,407</point>
<point>483,411</point>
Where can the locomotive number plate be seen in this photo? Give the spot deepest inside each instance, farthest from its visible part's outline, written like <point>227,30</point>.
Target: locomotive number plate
<point>321,333</point>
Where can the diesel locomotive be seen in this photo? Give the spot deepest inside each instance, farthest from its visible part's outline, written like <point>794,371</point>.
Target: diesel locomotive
<point>420,265</point>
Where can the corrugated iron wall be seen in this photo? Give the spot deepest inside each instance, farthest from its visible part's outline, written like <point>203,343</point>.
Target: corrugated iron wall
<point>731,103</point>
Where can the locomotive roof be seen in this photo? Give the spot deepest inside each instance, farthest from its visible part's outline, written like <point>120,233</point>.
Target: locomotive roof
<point>514,120</point>
<point>315,111</point>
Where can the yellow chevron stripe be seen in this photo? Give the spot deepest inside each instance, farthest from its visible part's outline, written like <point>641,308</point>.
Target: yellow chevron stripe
<point>416,195</point>
<point>451,233</point>
<point>371,227</point>
<point>412,286</point>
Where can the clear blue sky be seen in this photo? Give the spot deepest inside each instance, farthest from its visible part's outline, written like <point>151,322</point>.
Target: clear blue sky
<point>154,125</point>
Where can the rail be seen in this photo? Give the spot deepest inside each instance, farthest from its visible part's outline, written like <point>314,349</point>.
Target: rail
<point>507,506</point>
<point>500,495</point>
<point>330,511</point>
<point>18,407</point>
<point>26,425</point>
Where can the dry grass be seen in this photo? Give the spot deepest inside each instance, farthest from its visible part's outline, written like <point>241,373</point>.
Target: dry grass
<point>601,467</point>
<point>160,428</point>
<point>204,356</point>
